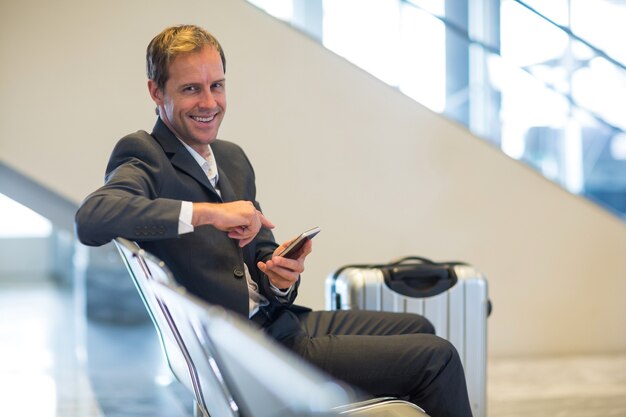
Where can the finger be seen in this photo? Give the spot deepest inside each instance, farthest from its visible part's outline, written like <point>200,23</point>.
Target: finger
<point>265,222</point>
<point>283,246</point>
<point>281,284</point>
<point>284,266</point>
<point>238,232</point>
<point>244,242</point>
<point>243,234</point>
<point>281,281</point>
<point>306,250</point>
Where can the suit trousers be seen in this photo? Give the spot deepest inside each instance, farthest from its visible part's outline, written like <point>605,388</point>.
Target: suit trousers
<point>382,353</point>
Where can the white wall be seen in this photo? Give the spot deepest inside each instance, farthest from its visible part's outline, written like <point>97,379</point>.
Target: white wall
<point>333,147</point>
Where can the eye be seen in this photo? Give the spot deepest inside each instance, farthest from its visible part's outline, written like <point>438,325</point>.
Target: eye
<point>190,88</point>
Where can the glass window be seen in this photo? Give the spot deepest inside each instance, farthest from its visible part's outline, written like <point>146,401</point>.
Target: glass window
<point>373,38</point>
<point>281,9</point>
<point>601,23</point>
<point>566,117</point>
<point>20,221</point>
<point>422,61</point>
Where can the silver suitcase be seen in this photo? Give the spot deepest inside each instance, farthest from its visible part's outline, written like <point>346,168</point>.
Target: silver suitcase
<point>453,296</point>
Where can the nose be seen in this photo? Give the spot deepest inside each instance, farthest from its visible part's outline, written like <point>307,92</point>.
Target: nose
<point>207,101</point>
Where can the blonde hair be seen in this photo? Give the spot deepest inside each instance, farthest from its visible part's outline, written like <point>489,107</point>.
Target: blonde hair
<point>173,41</point>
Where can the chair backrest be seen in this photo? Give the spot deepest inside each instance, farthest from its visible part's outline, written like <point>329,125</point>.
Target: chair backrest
<point>232,368</point>
<point>185,356</point>
<point>266,379</point>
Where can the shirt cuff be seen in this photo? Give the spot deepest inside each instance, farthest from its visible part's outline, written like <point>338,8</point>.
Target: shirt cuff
<point>281,293</point>
<point>184,219</point>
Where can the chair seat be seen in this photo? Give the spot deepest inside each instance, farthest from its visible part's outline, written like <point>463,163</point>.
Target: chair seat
<point>381,407</point>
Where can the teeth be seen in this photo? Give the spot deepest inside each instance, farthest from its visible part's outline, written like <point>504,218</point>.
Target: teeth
<point>203,119</point>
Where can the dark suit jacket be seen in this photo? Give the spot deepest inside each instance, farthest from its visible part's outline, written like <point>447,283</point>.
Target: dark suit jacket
<point>147,177</point>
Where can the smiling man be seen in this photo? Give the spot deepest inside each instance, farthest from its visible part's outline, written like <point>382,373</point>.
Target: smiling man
<point>193,101</point>
<point>190,199</point>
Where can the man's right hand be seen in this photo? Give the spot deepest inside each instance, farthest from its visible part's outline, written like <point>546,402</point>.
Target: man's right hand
<point>240,219</point>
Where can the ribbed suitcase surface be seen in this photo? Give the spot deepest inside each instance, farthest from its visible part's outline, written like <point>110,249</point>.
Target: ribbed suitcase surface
<point>459,315</point>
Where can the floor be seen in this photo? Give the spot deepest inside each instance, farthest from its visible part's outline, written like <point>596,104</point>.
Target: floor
<point>54,363</point>
<point>578,386</point>
<point>39,371</point>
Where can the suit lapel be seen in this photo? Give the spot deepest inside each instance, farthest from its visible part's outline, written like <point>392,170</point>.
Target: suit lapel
<point>180,157</point>
<point>228,194</point>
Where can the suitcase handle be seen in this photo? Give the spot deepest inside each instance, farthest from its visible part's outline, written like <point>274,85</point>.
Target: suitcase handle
<point>405,259</point>
<point>420,259</point>
<point>420,280</point>
<point>414,276</point>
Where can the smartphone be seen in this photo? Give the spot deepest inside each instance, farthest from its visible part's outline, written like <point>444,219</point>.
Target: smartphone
<point>292,250</point>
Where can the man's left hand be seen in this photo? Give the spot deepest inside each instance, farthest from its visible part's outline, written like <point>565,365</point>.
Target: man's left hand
<point>284,272</point>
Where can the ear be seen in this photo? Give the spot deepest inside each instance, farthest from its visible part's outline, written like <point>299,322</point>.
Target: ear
<point>155,92</point>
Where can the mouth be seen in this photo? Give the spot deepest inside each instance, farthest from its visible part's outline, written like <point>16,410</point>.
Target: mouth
<point>203,119</point>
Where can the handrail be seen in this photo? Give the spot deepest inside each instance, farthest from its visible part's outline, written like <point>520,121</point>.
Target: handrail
<point>456,28</point>
<point>571,34</point>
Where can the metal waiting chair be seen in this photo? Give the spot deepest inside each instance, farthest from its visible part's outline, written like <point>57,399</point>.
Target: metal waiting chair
<point>232,368</point>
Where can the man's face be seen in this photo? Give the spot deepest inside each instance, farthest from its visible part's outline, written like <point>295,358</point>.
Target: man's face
<point>193,102</point>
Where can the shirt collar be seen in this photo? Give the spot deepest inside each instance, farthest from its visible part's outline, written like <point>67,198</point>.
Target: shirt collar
<point>205,163</point>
